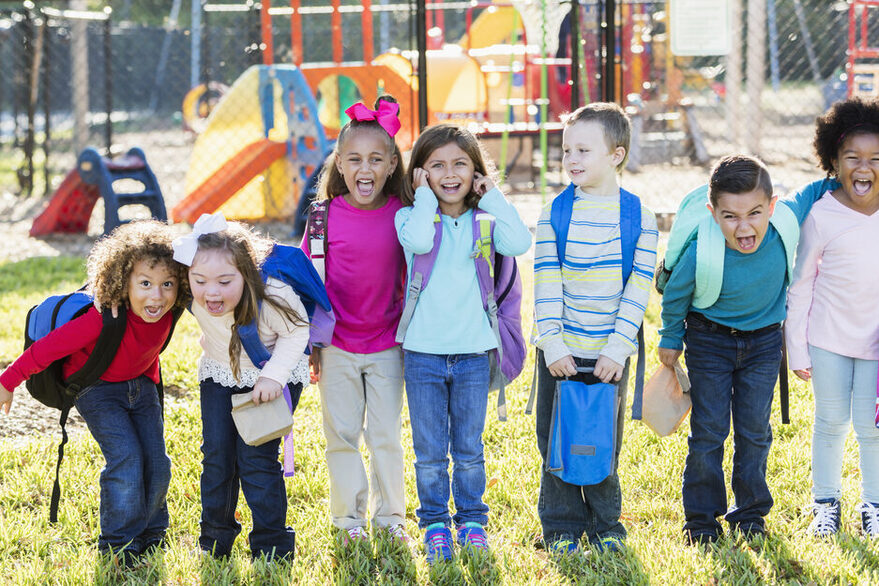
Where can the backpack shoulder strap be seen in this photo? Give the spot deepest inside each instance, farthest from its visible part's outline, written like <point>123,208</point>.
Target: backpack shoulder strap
<point>785,221</point>
<point>630,230</point>
<point>316,232</point>
<point>422,265</point>
<point>710,250</point>
<point>253,346</point>
<point>109,340</point>
<point>560,219</point>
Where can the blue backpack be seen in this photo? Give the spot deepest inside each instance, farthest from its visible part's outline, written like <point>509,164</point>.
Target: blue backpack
<point>49,386</point>
<point>630,232</point>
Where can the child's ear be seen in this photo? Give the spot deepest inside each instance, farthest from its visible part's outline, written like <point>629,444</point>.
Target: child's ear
<point>337,163</point>
<point>772,201</point>
<point>394,162</point>
<point>619,154</point>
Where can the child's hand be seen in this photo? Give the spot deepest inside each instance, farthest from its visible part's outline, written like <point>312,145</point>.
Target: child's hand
<point>482,184</point>
<point>314,362</point>
<point>265,390</point>
<point>804,374</point>
<point>563,367</point>
<point>419,177</point>
<point>5,399</point>
<point>669,356</point>
<point>606,370</point>
<point>114,309</point>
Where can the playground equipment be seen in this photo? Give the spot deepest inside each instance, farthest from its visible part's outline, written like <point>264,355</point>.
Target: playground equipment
<point>862,78</point>
<point>94,177</point>
<point>271,111</point>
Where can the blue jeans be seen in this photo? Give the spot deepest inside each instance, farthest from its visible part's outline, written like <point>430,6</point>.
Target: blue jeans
<point>568,511</point>
<point>845,391</point>
<point>125,418</point>
<point>229,465</point>
<point>729,374</point>
<point>447,395</point>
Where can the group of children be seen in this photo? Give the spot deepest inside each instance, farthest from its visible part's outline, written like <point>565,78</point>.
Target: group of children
<point>587,313</point>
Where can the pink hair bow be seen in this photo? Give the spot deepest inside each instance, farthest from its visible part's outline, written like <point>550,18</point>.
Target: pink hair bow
<point>386,115</point>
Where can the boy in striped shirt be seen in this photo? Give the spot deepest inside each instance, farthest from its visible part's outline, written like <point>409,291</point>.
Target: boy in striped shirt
<point>585,316</point>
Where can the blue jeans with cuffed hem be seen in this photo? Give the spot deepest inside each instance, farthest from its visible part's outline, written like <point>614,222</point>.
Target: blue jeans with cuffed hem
<point>448,395</point>
<point>568,511</point>
<point>229,464</point>
<point>845,391</point>
<point>125,418</point>
<point>729,376</point>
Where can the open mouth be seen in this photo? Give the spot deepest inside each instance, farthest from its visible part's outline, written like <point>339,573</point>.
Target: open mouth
<point>215,307</point>
<point>747,243</point>
<point>450,188</point>
<point>862,187</point>
<point>365,187</point>
<point>154,311</point>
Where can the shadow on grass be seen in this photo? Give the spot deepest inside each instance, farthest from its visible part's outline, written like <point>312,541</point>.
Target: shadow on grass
<point>862,549</point>
<point>353,562</point>
<point>589,566</point>
<point>735,560</point>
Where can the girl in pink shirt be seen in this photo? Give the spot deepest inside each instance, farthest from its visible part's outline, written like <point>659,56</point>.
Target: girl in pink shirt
<point>832,327</point>
<point>360,375</point>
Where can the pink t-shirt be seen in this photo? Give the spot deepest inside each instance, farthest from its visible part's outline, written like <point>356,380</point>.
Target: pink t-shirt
<point>365,272</point>
<point>832,302</point>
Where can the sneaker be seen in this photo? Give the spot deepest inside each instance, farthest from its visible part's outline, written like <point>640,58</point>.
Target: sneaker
<point>609,543</point>
<point>870,519</point>
<point>398,534</point>
<point>826,522</point>
<point>562,547</point>
<point>701,537</point>
<point>438,543</point>
<point>472,535</point>
<point>353,535</point>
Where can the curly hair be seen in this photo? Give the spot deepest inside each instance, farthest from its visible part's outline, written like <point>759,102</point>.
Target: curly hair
<point>113,257</point>
<point>842,120</point>
<point>331,183</point>
<point>439,136</point>
<point>248,250</point>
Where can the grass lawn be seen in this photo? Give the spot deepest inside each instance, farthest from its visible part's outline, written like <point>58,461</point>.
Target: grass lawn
<point>34,552</point>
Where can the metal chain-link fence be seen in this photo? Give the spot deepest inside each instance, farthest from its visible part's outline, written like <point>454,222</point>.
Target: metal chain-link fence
<point>183,82</point>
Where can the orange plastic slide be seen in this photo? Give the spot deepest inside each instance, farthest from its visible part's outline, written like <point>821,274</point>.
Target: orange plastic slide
<point>69,209</point>
<point>228,179</point>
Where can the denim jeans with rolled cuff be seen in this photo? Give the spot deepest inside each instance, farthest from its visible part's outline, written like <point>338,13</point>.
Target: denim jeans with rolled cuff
<point>230,465</point>
<point>125,418</point>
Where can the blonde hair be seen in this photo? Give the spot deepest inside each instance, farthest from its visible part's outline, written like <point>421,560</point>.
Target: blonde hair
<point>113,257</point>
<point>614,122</point>
<point>331,183</point>
<point>248,251</point>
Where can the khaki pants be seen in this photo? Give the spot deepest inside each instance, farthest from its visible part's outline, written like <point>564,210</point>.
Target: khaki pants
<point>362,396</point>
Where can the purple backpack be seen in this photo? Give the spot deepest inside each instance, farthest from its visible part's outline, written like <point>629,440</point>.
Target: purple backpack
<point>501,289</point>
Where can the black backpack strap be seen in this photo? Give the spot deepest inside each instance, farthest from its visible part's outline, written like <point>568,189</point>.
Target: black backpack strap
<point>56,487</point>
<point>160,386</point>
<point>783,390</point>
<point>109,340</point>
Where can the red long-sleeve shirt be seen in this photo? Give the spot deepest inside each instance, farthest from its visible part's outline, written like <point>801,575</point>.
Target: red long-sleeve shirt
<point>138,353</point>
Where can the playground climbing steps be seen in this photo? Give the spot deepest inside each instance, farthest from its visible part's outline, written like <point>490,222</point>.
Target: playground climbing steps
<point>96,177</point>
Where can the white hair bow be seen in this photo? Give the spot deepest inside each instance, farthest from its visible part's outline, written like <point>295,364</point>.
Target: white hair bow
<point>186,246</point>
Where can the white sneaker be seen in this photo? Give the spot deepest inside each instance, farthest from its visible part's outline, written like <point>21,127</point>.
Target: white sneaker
<point>827,520</point>
<point>354,534</point>
<point>869,519</point>
<point>398,532</point>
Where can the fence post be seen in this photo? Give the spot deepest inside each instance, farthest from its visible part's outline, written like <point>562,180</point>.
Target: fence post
<point>80,66</point>
<point>756,54</point>
<point>733,77</point>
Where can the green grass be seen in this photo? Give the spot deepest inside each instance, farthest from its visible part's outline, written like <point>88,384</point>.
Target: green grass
<point>34,552</point>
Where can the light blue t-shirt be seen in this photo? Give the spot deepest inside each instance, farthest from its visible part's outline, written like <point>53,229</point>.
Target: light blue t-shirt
<point>449,317</point>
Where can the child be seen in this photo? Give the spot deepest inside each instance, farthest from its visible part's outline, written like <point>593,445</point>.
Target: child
<point>585,316</point>
<point>360,375</point>
<point>228,292</point>
<point>123,411</point>
<point>446,362</point>
<point>733,347</point>
<point>832,328</point>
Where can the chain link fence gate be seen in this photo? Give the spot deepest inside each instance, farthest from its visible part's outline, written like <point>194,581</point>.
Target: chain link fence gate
<point>170,77</point>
